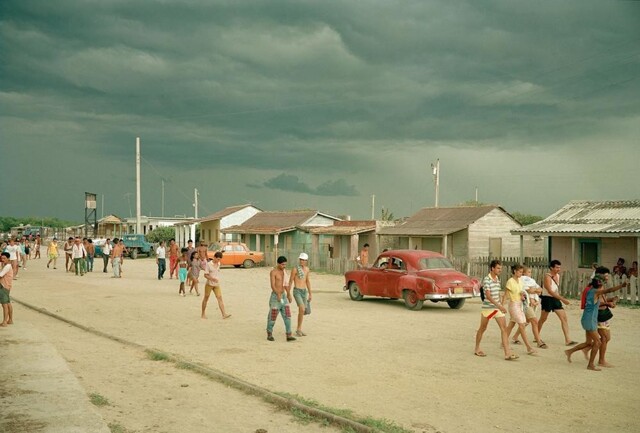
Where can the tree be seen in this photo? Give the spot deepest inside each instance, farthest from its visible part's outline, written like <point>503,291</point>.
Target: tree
<point>387,215</point>
<point>160,234</point>
<point>526,219</point>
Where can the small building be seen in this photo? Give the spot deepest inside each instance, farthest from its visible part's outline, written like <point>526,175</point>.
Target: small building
<point>586,232</point>
<point>465,232</point>
<point>345,239</point>
<point>279,232</point>
<point>110,226</point>
<point>148,223</point>
<point>211,226</point>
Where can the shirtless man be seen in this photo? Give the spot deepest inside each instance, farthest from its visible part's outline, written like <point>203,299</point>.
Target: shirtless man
<point>116,257</point>
<point>301,289</point>
<point>551,301</point>
<point>212,278</point>
<point>278,302</point>
<point>173,258</point>
<point>202,251</point>
<point>68,261</point>
<point>363,259</point>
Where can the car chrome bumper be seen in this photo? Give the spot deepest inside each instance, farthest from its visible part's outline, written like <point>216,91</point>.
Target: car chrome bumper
<point>446,296</point>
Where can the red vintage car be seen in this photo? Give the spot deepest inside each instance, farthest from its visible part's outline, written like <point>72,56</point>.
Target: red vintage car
<point>413,275</point>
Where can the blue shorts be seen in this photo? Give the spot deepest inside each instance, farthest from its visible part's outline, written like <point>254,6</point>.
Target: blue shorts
<point>300,295</point>
<point>182,274</point>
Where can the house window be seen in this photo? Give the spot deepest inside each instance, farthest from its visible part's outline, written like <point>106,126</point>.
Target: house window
<point>589,252</point>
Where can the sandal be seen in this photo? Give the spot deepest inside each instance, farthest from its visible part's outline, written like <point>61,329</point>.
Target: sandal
<point>515,342</point>
<point>512,357</point>
<point>480,353</point>
<point>543,345</point>
<point>572,343</point>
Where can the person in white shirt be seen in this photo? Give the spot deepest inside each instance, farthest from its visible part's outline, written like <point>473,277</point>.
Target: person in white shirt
<point>532,306</point>
<point>6,276</point>
<point>161,256</point>
<point>212,278</point>
<point>14,256</point>
<point>106,252</point>
<point>78,253</point>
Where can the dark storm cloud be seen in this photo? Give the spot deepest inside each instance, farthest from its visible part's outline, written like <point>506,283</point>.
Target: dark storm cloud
<point>288,182</point>
<point>313,87</point>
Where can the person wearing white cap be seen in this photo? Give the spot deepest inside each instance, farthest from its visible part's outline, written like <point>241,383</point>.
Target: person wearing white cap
<point>301,289</point>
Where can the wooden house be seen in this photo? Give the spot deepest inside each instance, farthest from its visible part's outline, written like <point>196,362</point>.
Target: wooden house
<point>465,232</point>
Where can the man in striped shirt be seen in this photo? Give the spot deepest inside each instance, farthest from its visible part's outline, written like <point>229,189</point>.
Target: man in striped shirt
<point>492,308</point>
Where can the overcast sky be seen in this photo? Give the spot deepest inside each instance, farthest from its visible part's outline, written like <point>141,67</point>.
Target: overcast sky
<point>317,104</point>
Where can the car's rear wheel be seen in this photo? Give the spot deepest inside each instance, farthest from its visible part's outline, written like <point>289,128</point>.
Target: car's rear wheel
<point>354,292</point>
<point>134,254</point>
<point>248,264</point>
<point>411,300</point>
<point>456,304</point>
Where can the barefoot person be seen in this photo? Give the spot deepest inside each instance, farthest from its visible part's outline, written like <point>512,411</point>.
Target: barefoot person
<point>533,291</point>
<point>212,278</point>
<point>280,300</point>
<point>301,289</point>
<point>516,296</point>
<point>173,258</point>
<point>36,247</point>
<point>590,320</point>
<point>183,271</point>
<point>604,317</point>
<point>116,257</point>
<point>552,300</point>
<point>493,309</point>
<point>68,259</point>
<point>52,252</point>
<point>195,265</point>
<point>6,282</point>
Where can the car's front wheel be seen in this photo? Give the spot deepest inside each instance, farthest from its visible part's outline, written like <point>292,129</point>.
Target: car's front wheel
<point>248,264</point>
<point>354,292</point>
<point>411,300</point>
<point>134,254</point>
<point>456,304</point>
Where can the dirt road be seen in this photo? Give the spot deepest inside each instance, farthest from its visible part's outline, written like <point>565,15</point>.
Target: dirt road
<point>373,357</point>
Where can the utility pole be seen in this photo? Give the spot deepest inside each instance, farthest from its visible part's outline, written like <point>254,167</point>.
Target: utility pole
<point>476,195</point>
<point>102,212</point>
<point>435,168</point>
<point>138,212</point>
<point>195,204</point>
<point>373,206</point>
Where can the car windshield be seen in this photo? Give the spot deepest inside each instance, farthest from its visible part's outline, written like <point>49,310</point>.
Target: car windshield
<point>215,247</point>
<point>434,263</point>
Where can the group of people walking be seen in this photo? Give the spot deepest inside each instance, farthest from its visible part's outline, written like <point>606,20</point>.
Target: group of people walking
<point>186,263</point>
<point>80,254</point>
<point>524,299</point>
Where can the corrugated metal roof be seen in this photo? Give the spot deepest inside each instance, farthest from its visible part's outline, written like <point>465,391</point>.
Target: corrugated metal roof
<point>343,229</point>
<point>580,216</point>
<point>224,212</point>
<point>272,222</point>
<point>439,221</point>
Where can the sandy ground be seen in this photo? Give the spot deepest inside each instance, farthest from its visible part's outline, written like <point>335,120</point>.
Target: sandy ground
<point>373,357</point>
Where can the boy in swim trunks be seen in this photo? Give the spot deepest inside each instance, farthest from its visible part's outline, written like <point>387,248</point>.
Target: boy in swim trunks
<point>280,300</point>
<point>183,269</point>
<point>301,289</point>
<point>212,278</point>
<point>6,282</point>
<point>493,309</point>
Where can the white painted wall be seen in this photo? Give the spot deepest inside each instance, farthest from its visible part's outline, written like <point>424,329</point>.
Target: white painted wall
<point>237,218</point>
